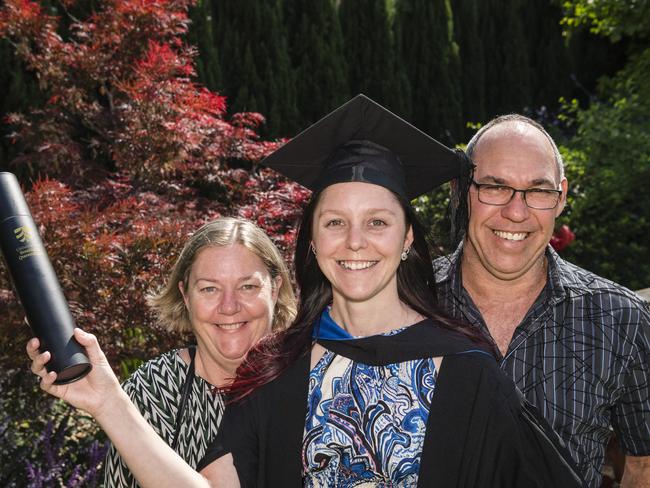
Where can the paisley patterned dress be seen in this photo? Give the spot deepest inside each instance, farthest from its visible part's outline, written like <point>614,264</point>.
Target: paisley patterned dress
<point>366,424</point>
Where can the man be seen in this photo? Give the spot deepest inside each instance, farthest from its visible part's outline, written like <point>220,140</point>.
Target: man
<point>577,345</point>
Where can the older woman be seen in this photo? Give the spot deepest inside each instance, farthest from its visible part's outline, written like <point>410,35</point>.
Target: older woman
<point>376,387</point>
<point>229,288</point>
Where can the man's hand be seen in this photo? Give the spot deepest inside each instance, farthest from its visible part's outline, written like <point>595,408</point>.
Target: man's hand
<point>637,472</point>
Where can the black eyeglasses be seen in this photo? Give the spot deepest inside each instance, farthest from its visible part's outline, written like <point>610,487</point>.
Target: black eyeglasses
<point>537,198</point>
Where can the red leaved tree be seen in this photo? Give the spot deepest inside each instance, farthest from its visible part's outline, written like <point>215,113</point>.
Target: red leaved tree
<point>126,158</point>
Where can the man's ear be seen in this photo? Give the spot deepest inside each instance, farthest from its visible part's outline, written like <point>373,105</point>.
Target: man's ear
<point>564,186</point>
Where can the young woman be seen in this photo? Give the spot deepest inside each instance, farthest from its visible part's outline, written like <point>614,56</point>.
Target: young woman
<point>372,385</point>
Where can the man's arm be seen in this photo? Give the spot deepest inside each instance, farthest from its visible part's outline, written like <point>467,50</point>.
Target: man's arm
<point>637,472</point>
<point>630,415</point>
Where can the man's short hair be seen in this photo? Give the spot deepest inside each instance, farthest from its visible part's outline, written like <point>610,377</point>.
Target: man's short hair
<point>502,119</point>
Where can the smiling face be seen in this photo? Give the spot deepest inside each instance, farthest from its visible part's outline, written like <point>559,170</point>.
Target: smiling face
<point>359,232</point>
<point>230,298</point>
<point>508,240</point>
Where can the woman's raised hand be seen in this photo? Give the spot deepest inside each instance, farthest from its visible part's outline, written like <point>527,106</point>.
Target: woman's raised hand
<point>93,392</point>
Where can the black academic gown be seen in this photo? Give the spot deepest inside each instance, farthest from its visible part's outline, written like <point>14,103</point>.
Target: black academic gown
<point>480,431</point>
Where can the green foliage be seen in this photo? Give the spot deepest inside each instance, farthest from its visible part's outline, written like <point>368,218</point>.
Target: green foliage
<point>258,55</point>
<point>368,45</point>
<point>609,165</point>
<point>255,63</point>
<point>425,44</point>
<point>201,34</point>
<point>591,57</point>
<point>608,159</point>
<point>432,210</point>
<point>548,54</point>
<point>506,57</point>
<point>467,15</point>
<point>316,50</point>
<point>611,18</point>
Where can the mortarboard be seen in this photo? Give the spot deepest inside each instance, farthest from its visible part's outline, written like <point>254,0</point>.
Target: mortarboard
<point>363,141</point>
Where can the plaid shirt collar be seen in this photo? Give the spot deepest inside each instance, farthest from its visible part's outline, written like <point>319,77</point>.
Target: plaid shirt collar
<point>560,285</point>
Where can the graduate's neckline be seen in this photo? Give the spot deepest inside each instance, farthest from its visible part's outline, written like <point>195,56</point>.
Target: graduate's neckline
<point>326,328</point>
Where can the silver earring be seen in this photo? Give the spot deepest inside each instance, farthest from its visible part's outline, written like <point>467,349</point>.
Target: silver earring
<point>313,249</point>
<point>405,253</point>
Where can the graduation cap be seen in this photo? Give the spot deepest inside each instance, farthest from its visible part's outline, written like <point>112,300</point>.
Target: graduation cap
<point>363,141</point>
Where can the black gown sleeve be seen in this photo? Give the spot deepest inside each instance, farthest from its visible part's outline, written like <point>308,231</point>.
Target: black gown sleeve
<point>237,435</point>
<point>489,435</point>
<point>264,432</point>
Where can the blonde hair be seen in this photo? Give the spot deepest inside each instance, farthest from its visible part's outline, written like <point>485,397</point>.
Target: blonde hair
<point>168,302</point>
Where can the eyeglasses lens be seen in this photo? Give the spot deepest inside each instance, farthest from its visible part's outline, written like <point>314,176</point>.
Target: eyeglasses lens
<point>501,195</point>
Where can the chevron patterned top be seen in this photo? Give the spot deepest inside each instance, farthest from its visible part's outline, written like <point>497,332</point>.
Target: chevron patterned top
<point>155,388</point>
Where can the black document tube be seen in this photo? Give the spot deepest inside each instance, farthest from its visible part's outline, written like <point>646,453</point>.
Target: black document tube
<point>37,285</point>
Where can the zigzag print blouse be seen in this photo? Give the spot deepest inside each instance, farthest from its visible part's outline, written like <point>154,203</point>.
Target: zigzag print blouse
<point>155,388</point>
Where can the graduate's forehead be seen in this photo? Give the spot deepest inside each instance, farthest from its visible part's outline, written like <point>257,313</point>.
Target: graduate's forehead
<point>357,199</point>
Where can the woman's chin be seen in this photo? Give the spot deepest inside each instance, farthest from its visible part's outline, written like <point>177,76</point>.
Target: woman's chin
<point>234,352</point>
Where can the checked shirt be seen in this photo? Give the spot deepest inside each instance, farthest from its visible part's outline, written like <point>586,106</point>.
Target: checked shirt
<point>581,355</point>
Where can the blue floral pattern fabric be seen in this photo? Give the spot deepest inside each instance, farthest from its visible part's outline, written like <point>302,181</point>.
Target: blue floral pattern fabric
<point>366,424</point>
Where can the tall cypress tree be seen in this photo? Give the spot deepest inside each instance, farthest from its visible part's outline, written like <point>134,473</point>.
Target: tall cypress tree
<point>277,72</point>
<point>316,50</point>
<point>369,52</point>
<point>249,92</point>
<point>507,72</point>
<point>255,64</point>
<point>403,105</point>
<point>547,53</point>
<point>201,34</point>
<point>425,44</point>
<point>466,27</point>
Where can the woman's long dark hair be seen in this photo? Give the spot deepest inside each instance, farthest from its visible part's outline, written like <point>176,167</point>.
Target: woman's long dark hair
<point>416,286</point>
